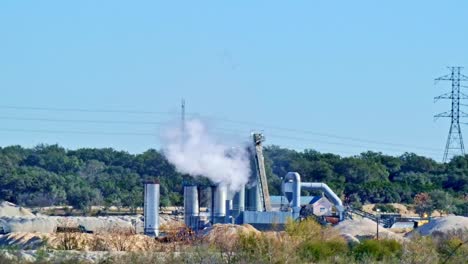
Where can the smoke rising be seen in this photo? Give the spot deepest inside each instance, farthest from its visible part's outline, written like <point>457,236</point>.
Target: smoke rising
<point>197,153</point>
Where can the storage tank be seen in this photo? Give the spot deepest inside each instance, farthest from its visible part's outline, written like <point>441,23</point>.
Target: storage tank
<point>239,202</point>
<point>219,203</point>
<point>191,207</point>
<point>151,209</point>
<point>253,199</point>
<point>228,219</point>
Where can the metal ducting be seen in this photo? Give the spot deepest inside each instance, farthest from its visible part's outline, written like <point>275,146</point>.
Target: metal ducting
<point>292,186</point>
<point>328,192</point>
<point>151,209</point>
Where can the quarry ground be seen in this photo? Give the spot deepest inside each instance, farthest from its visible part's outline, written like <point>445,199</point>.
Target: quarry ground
<point>33,236</point>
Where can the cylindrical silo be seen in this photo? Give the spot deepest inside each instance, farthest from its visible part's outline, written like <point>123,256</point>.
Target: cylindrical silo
<point>238,203</point>
<point>151,209</point>
<point>219,203</point>
<point>253,199</point>
<point>228,218</point>
<point>191,207</point>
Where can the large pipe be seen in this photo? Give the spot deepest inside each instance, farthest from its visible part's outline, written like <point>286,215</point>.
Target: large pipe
<point>329,192</point>
<point>191,206</point>
<point>292,186</point>
<point>323,187</point>
<point>151,209</point>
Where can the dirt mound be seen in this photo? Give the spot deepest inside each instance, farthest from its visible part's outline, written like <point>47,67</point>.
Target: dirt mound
<point>101,242</point>
<point>401,209</point>
<point>444,224</point>
<point>95,224</point>
<point>28,224</point>
<point>364,228</point>
<point>227,232</point>
<point>79,241</point>
<point>11,209</point>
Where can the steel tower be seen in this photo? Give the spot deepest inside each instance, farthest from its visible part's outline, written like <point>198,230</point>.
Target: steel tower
<point>454,145</point>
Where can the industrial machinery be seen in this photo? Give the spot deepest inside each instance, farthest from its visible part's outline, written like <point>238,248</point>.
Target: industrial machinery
<point>251,204</point>
<point>261,178</point>
<point>73,229</point>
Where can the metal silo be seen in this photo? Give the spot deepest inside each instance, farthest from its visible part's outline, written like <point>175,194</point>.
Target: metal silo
<point>191,207</point>
<point>219,203</point>
<point>151,209</point>
<point>238,202</point>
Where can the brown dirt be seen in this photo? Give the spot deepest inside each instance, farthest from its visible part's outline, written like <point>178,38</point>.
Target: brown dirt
<point>404,210</point>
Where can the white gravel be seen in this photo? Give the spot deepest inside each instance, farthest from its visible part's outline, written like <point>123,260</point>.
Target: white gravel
<point>444,224</point>
<point>10,209</point>
<point>364,228</point>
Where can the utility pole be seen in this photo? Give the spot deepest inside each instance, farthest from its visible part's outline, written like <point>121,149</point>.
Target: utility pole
<point>454,145</point>
<point>377,216</point>
<point>182,117</point>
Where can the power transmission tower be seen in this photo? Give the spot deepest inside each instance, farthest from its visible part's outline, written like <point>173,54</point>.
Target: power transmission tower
<point>454,144</point>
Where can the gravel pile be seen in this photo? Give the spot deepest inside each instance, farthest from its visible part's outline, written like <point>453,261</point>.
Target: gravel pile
<point>226,232</point>
<point>364,228</point>
<point>11,210</point>
<point>28,224</point>
<point>444,224</point>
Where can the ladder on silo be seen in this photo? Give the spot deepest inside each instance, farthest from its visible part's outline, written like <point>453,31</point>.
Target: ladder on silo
<point>261,173</point>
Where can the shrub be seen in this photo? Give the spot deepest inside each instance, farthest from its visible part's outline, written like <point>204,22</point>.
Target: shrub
<point>304,230</point>
<point>318,250</point>
<point>378,249</point>
<point>385,208</point>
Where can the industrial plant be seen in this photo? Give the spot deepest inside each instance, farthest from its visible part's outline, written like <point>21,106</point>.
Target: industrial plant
<point>252,204</point>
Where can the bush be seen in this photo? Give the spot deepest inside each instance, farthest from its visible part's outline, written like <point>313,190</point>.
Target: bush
<point>385,208</point>
<point>317,250</point>
<point>304,230</point>
<point>378,249</point>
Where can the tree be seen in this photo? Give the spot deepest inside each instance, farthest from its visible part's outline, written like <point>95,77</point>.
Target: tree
<point>423,204</point>
<point>442,201</point>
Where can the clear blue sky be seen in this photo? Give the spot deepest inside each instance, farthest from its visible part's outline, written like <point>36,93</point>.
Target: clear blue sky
<point>360,69</point>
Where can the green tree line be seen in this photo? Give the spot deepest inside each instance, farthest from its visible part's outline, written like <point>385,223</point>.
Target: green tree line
<point>51,175</point>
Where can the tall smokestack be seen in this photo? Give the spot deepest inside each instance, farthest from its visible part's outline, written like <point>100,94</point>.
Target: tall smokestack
<point>151,209</point>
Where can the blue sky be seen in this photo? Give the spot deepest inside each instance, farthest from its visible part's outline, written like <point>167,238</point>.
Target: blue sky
<point>326,70</point>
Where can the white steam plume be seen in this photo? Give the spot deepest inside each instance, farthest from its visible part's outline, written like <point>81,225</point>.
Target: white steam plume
<point>195,152</point>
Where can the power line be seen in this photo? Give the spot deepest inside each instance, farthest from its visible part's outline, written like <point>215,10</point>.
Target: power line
<point>77,132</point>
<point>222,119</point>
<point>93,121</point>
<point>55,109</point>
<point>53,120</point>
<point>314,141</point>
<point>320,134</point>
<point>149,134</point>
